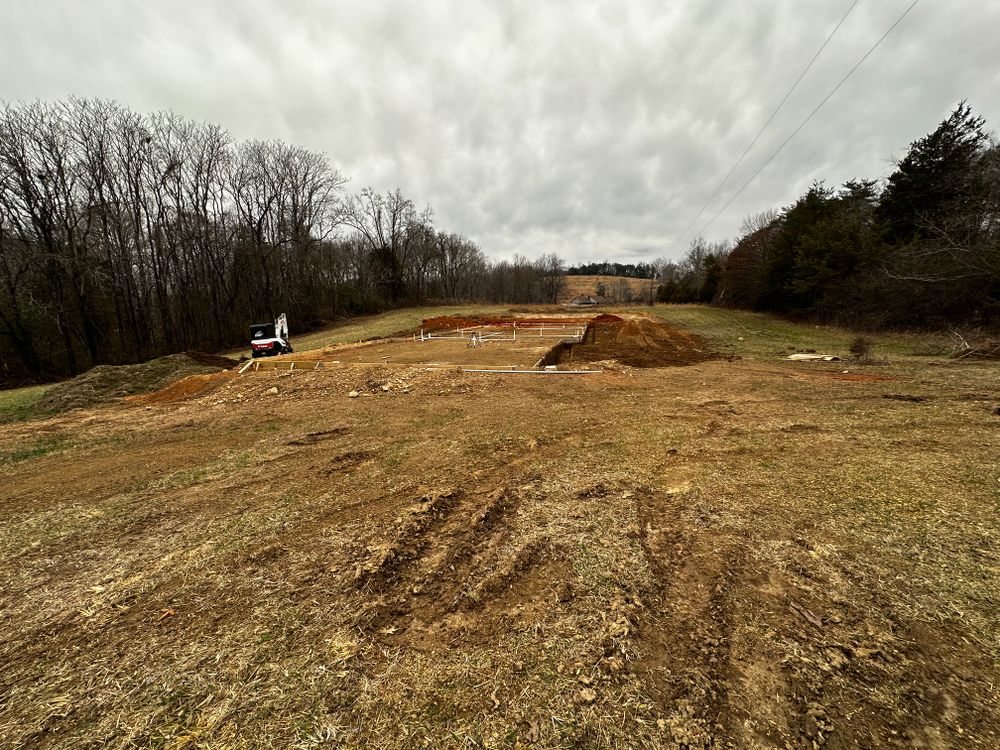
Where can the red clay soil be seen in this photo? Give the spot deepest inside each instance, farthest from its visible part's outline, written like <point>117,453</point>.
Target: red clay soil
<point>452,322</point>
<point>449,323</point>
<point>195,385</point>
<point>637,343</point>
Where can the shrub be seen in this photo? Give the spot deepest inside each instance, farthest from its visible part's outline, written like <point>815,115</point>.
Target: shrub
<point>861,348</point>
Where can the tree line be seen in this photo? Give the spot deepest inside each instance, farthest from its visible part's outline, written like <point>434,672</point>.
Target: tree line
<point>611,268</point>
<point>124,236</point>
<point>921,250</point>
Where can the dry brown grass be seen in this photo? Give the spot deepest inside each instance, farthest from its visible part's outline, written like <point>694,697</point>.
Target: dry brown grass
<point>733,554</point>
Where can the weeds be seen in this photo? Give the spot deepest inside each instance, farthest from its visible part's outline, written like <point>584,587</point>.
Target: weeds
<point>861,348</point>
<point>761,335</point>
<point>20,404</point>
<point>39,448</point>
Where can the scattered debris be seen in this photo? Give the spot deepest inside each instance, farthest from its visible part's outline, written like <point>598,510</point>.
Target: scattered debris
<point>986,351</point>
<point>813,357</point>
<point>808,616</point>
<point>312,438</point>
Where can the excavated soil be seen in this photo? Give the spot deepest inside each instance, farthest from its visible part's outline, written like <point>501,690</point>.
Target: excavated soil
<point>106,383</point>
<point>453,322</point>
<point>637,342</point>
<point>211,360</point>
<point>193,385</point>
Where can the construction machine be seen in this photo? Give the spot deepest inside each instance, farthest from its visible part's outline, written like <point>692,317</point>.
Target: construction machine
<point>270,339</point>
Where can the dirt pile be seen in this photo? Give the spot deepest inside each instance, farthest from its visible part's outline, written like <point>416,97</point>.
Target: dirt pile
<point>211,360</point>
<point>185,388</point>
<point>450,323</point>
<point>637,342</point>
<point>109,382</point>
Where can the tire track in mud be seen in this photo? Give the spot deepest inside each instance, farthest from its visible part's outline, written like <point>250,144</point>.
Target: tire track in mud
<point>683,636</point>
<point>790,648</point>
<point>452,555</point>
<point>849,662</point>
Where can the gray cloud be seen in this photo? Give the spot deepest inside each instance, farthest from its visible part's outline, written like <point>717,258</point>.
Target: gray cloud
<point>594,129</point>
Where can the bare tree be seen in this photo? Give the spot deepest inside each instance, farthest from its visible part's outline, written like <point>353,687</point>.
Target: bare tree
<point>123,236</point>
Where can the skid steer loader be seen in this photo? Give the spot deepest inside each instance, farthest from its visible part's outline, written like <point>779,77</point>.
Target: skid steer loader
<point>270,339</point>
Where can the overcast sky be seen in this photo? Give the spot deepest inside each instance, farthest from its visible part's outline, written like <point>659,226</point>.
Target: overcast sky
<point>593,129</point>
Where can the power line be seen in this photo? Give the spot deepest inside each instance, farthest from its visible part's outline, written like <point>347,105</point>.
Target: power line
<point>764,126</point>
<point>809,116</point>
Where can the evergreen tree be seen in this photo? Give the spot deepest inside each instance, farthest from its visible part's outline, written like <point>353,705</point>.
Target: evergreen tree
<point>937,177</point>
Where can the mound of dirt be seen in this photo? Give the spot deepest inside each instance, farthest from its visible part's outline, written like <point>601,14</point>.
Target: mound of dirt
<point>638,342</point>
<point>189,387</point>
<point>449,323</point>
<point>109,382</point>
<point>211,360</point>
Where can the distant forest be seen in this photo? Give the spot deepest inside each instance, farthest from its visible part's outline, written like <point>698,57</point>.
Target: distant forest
<point>124,236</point>
<point>921,250</point>
<point>608,268</point>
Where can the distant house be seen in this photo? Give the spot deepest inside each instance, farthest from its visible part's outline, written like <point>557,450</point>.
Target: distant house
<point>585,300</point>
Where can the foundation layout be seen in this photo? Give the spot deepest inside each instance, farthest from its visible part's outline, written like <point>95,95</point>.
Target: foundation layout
<point>508,344</point>
<point>554,345</point>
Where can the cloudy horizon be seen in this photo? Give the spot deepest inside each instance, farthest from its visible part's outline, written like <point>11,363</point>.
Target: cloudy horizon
<point>597,132</point>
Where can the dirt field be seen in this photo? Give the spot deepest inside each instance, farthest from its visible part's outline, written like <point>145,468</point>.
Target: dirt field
<point>437,352</point>
<point>743,552</point>
<point>452,345</point>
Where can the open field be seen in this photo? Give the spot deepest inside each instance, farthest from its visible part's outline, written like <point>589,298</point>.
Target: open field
<point>760,335</point>
<point>739,552</point>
